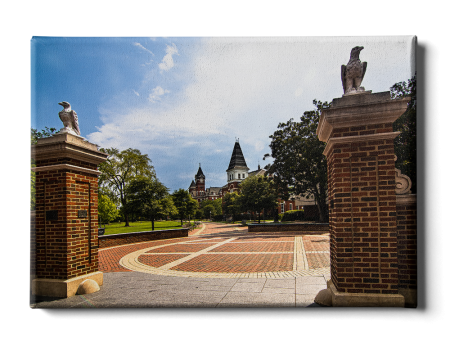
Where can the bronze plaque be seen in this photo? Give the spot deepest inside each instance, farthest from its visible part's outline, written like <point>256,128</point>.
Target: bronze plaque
<point>82,213</point>
<point>51,215</point>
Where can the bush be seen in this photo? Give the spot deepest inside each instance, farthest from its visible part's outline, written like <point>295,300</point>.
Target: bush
<point>293,215</point>
<point>217,218</point>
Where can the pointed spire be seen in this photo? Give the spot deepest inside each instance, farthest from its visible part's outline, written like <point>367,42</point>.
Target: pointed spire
<point>199,173</point>
<point>237,158</point>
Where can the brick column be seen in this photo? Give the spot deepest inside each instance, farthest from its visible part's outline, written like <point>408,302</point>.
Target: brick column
<point>362,201</point>
<point>66,219</point>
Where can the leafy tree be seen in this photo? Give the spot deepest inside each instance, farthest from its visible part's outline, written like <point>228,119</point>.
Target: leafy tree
<point>257,193</point>
<point>107,210</point>
<point>231,204</point>
<point>405,144</point>
<point>149,198</point>
<point>185,204</point>
<point>211,207</point>
<point>299,166</point>
<point>35,135</point>
<point>120,169</point>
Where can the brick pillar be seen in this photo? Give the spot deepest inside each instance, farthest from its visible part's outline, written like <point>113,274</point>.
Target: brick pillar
<point>362,201</point>
<point>66,219</point>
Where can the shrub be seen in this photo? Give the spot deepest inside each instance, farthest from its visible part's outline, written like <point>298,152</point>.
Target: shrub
<point>293,215</point>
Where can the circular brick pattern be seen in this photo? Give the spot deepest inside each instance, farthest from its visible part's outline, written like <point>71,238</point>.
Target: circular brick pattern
<point>224,251</point>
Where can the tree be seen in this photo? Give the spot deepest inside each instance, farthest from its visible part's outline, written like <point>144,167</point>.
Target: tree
<point>35,135</point>
<point>107,210</point>
<point>405,145</point>
<point>184,203</point>
<point>257,193</point>
<point>120,169</point>
<point>150,198</point>
<point>299,166</point>
<point>211,207</point>
<point>231,204</point>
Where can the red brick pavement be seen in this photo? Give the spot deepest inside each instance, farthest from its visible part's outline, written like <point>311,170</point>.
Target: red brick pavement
<point>264,246</point>
<point>238,263</point>
<point>109,258</point>
<point>255,247</point>
<point>159,260</point>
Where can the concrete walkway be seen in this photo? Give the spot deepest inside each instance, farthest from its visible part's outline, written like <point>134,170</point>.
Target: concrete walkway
<point>218,265</point>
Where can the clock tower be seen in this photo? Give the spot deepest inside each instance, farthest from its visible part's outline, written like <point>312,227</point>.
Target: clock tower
<point>200,182</point>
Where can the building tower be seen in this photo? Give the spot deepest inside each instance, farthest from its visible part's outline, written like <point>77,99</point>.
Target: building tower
<point>237,169</point>
<point>200,183</point>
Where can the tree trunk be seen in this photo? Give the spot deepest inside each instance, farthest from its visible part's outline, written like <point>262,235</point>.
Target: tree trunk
<point>127,224</point>
<point>259,217</point>
<point>153,224</point>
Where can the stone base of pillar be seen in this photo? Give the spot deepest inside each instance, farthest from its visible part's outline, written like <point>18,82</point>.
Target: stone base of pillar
<point>62,288</point>
<point>332,297</point>
<point>410,297</point>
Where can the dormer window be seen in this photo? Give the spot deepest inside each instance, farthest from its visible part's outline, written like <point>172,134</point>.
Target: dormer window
<point>243,175</point>
<point>239,176</point>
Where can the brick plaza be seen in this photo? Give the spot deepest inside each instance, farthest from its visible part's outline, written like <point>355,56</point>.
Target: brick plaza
<point>223,251</point>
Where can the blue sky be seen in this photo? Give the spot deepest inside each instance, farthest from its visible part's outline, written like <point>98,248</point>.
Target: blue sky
<point>183,101</point>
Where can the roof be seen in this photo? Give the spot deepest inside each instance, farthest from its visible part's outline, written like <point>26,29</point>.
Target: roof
<point>257,172</point>
<point>237,158</point>
<point>200,173</point>
<point>192,184</point>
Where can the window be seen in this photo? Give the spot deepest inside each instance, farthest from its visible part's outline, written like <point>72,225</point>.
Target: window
<point>290,206</point>
<point>239,176</point>
<point>243,175</point>
<point>282,207</point>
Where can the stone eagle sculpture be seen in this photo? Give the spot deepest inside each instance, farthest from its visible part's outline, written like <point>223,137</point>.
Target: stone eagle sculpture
<point>69,118</point>
<point>353,74</point>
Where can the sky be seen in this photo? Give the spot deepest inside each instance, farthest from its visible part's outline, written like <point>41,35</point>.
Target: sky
<point>184,101</point>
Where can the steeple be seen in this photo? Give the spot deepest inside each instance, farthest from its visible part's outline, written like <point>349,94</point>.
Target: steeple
<point>237,158</point>
<point>199,173</point>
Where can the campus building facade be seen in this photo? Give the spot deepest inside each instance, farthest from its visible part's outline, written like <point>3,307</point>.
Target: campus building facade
<point>237,172</point>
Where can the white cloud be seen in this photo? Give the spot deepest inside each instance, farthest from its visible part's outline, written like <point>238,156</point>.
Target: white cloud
<point>244,88</point>
<point>137,94</point>
<point>137,44</point>
<point>156,94</point>
<point>167,61</point>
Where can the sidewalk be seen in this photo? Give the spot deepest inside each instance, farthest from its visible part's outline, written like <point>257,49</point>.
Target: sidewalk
<point>135,289</point>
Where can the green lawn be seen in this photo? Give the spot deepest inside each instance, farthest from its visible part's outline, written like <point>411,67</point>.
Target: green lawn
<point>119,228</point>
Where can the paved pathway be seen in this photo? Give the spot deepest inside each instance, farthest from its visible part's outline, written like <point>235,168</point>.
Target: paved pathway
<point>218,265</point>
<point>224,251</point>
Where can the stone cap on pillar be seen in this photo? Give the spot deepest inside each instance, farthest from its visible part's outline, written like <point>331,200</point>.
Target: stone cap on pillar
<point>358,110</point>
<point>67,146</point>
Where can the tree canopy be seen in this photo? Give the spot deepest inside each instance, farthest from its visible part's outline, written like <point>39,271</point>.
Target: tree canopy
<point>184,203</point>
<point>107,210</point>
<point>231,204</point>
<point>211,207</point>
<point>149,198</point>
<point>299,166</point>
<point>405,144</point>
<point>257,193</point>
<point>120,169</point>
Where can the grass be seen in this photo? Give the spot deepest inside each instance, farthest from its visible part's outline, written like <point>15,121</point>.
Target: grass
<point>119,228</point>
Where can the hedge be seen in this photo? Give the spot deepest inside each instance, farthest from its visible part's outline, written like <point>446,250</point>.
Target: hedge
<point>293,215</point>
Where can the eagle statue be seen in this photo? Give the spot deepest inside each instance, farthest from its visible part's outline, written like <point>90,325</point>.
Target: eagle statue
<point>353,74</point>
<point>69,118</point>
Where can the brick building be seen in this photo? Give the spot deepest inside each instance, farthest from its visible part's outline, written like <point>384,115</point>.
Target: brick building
<point>237,172</point>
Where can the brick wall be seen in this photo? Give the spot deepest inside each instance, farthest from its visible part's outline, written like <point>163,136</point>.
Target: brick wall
<point>136,237</point>
<point>361,185</point>
<point>33,244</point>
<point>407,244</point>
